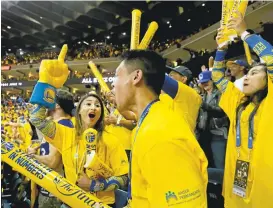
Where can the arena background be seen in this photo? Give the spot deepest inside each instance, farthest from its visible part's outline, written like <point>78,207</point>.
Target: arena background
<point>100,31</point>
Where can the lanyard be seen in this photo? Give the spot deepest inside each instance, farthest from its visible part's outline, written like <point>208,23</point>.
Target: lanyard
<point>77,160</point>
<point>142,117</point>
<point>250,130</point>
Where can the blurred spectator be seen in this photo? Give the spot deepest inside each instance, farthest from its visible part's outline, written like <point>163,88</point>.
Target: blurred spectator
<point>212,125</point>
<point>238,70</point>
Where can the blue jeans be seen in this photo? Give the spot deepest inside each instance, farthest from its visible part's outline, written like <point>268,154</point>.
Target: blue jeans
<point>218,147</point>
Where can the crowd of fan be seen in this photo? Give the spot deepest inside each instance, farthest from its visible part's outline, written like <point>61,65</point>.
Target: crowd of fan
<point>84,52</point>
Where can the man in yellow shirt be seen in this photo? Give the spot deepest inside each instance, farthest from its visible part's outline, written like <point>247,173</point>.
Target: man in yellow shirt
<point>168,167</point>
<point>182,99</point>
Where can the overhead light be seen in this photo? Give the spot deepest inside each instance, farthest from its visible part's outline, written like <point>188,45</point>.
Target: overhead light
<point>112,33</point>
<point>89,26</point>
<point>63,33</point>
<point>108,37</point>
<point>21,52</point>
<point>203,4</point>
<point>9,27</point>
<point>170,26</point>
<point>124,33</point>
<point>79,42</point>
<point>168,22</point>
<point>41,17</point>
<point>93,40</point>
<point>85,43</point>
<point>20,49</point>
<point>9,49</point>
<point>54,46</point>
<point>189,20</point>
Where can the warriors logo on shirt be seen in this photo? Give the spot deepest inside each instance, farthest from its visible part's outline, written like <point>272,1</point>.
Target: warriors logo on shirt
<point>90,137</point>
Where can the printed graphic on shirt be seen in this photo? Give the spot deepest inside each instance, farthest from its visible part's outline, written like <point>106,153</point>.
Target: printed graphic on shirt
<point>181,197</point>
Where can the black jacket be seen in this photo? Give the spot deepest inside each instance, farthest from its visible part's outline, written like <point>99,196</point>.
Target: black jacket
<point>211,117</point>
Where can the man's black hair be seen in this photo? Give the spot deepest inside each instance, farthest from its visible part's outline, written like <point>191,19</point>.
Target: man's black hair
<point>151,64</point>
<point>65,101</point>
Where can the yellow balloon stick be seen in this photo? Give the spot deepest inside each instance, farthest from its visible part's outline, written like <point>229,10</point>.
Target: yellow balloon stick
<point>248,54</point>
<point>135,30</point>
<point>225,13</point>
<point>101,81</point>
<point>99,77</point>
<point>148,36</point>
<point>237,5</point>
<point>47,178</point>
<point>33,188</point>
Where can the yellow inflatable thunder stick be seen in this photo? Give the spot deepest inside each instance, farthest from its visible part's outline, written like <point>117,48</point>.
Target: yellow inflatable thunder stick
<point>33,186</point>
<point>237,5</point>
<point>248,54</point>
<point>135,30</point>
<point>223,24</point>
<point>101,81</point>
<point>148,36</point>
<point>47,178</point>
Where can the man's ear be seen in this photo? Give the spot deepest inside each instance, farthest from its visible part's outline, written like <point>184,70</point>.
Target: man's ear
<point>137,76</point>
<point>183,79</point>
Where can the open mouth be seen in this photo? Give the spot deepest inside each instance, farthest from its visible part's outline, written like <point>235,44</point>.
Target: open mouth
<point>91,115</point>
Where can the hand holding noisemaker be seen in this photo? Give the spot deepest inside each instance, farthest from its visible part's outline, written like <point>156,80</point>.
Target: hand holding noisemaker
<point>52,75</point>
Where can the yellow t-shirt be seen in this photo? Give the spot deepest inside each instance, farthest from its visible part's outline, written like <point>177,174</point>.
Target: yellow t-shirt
<point>260,183</point>
<point>25,134</point>
<point>168,166</point>
<point>186,103</point>
<point>122,134</point>
<point>109,150</point>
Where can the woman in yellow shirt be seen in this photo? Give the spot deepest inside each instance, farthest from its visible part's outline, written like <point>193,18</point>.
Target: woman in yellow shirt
<point>71,142</point>
<point>249,167</point>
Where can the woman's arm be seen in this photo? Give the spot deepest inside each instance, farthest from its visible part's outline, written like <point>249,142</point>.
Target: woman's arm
<point>52,160</point>
<point>112,183</point>
<point>263,49</point>
<point>38,119</point>
<point>260,46</point>
<point>218,70</point>
<point>109,184</point>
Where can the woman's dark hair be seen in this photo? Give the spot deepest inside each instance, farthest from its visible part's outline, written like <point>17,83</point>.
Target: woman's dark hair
<point>260,95</point>
<point>99,126</point>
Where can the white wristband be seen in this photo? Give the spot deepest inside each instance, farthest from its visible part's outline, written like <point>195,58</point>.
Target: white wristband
<point>244,34</point>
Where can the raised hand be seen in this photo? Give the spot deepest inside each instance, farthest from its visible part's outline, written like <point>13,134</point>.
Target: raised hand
<point>219,37</point>
<point>211,62</point>
<point>54,72</point>
<point>237,23</point>
<point>52,75</point>
<point>204,68</point>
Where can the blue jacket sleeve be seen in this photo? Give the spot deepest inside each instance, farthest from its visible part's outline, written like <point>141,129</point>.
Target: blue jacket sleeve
<point>218,71</point>
<point>264,50</point>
